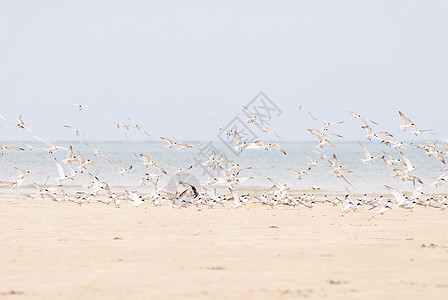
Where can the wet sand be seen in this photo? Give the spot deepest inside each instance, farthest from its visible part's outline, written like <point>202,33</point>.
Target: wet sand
<point>55,250</point>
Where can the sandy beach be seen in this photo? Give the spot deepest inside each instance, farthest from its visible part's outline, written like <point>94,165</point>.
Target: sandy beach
<point>56,250</point>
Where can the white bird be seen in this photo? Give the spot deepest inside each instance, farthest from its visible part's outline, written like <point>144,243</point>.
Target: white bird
<point>136,199</point>
<point>312,162</point>
<point>268,146</point>
<point>4,149</point>
<point>385,207</point>
<point>409,167</point>
<point>369,158</point>
<point>22,124</point>
<point>409,124</point>
<point>281,187</point>
<point>336,168</point>
<point>399,198</point>
<point>122,170</point>
<point>441,179</point>
<point>179,170</point>
<point>52,148</point>
<point>299,174</point>
<point>150,163</point>
<point>84,163</point>
<point>80,106</point>
<point>326,124</point>
<point>61,172</point>
<point>320,137</point>
<point>138,126</point>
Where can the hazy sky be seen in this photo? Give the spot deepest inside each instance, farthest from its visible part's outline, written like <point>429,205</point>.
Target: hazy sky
<point>170,65</point>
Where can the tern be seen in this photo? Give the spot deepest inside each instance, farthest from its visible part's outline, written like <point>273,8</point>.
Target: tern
<point>312,162</point>
<point>268,146</point>
<point>299,174</point>
<point>122,170</point>
<point>409,124</point>
<point>399,198</point>
<point>52,148</point>
<point>179,170</point>
<point>150,163</point>
<point>320,137</point>
<point>80,106</point>
<point>84,162</point>
<point>22,124</point>
<point>369,158</point>
<point>326,124</point>
<point>4,149</point>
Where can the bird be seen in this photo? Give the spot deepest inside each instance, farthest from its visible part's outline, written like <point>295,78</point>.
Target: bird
<point>326,124</point>
<point>320,137</point>
<point>179,170</point>
<point>399,198</point>
<point>299,174</point>
<point>336,167</point>
<point>268,146</point>
<point>77,132</point>
<point>80,106</point>
<point>122,170</point>
<point>409,124</point>
<point>22,124</point>
<point>369,158</point>
<point>4,149</point>
<point>52,148</point>
<point>312,162</point>
<point>150,163</point>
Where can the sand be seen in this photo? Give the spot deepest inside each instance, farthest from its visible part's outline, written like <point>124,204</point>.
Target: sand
<point>53,250</point>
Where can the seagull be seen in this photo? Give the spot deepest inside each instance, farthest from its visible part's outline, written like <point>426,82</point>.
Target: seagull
<point>408,164</point>
<point>441,179</point>
<point>84,162</point>
<point>299,174</point>
<point>150,163</point>
<point>122,170</point>
<point>220,126</point>
<point>281,187</point>
<point>320,137</point>
<point>22,124</point>
<point>171,144</point>
<point>61,172</point>
<point>336,168</point>
<point>268,146</point>
<point>136,199</point>
<point>362,118</point>
<point>326,124</point>
<point>81,106</point>
<point>139,127</point>
<point>237,202</point>
<point>3,149</point>
<point>369,158</point>
<point>77,132</point>
<point>386,207</point>
<point>148,177</point>
<point>179,170</point>
<point>52,148</point>
<point>242,145</point>
<point>409,124</point>
<point>312,162</point>
<point>399,198</point>
<point>97,153</point>
<point>24,173</point>
<point>251,118</point>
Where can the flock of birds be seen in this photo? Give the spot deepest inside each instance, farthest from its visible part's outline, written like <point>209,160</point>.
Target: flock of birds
<point>225,173</point>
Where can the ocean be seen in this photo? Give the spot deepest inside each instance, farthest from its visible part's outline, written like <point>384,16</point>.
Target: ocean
<point>262,164</point>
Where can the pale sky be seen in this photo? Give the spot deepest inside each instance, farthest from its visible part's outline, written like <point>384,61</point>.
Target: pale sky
<point>170,65</point>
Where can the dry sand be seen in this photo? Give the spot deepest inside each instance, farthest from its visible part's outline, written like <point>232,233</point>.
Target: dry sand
<point>64,251</point>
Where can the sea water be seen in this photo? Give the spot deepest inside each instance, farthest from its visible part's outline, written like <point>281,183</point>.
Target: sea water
<point>260,164</point>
